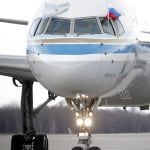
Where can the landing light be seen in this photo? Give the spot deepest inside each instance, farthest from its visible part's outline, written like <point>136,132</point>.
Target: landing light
<point>83,96</point>
<point>77,96</point>
<point>77,114</point>
<point>80,122</point>
<point>90,114</point>
<point>88,122</point>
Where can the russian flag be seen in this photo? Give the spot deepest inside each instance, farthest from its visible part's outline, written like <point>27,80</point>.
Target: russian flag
<point>113,14</point>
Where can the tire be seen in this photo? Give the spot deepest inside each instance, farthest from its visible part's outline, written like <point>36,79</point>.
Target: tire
<point>17,142</point>
<point>77,148</point>
<point>94,148</point>
<point>41,142</point>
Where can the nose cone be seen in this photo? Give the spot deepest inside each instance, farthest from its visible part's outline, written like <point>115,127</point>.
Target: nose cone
<point>71,78</point>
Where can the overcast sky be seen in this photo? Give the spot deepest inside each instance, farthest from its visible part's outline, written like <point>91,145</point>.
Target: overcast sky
<point>13,40</point>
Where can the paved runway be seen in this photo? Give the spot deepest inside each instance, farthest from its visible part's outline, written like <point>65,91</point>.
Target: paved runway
<point>105,141</point>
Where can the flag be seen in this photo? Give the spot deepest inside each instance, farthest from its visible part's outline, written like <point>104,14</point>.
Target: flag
<point>113,14</point>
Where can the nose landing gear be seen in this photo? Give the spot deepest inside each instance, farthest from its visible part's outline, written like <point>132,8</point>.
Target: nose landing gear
<point>83,106</point>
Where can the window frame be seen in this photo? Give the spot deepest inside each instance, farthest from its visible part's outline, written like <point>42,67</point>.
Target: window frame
<point>100,25</point>
<point>40,19</point>
<point>114,26</point>
<point>114,29</point>
<point>72,26</point>
<point>35,34</point>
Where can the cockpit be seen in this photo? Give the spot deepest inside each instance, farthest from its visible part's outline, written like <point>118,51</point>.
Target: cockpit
<point>77,26</point>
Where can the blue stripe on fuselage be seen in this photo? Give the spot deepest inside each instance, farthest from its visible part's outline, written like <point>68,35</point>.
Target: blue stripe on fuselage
<point>80,49</point>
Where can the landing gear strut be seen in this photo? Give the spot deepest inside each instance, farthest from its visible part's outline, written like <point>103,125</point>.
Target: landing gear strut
<point>29,140</point>
<point>83,106</point>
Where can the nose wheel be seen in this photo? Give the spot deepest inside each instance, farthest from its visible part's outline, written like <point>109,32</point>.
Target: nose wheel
<point>85,139</point>
<point>77,148</point>
<point>95,148</point>
<point>90,148</point>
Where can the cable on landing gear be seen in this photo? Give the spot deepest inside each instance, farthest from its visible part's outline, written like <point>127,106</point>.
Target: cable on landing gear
<point>15,82</point>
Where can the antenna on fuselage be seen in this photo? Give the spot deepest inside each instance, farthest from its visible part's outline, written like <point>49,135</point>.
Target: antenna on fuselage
<point>107,3</point>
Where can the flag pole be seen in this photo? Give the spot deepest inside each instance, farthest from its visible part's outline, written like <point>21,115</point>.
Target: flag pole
<point>107,3</point>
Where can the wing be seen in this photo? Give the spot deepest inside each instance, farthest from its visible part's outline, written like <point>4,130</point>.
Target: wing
<point>15,66</point>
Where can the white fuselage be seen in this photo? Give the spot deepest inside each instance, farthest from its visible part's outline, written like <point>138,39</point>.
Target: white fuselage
<point>79,72</point>
<point>90,64</point>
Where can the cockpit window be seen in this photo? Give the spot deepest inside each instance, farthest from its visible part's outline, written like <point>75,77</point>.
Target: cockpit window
<point>86,26</point>
<point>34,26</point>
<point>107,26</point>
<point>42,26</point>
<point>118,26</point>
<point>58,26</point>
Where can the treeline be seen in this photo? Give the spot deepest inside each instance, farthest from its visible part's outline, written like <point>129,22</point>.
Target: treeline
<point>62,120</point>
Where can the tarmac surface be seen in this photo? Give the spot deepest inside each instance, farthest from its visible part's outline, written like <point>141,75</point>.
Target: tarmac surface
<point>105,141</point>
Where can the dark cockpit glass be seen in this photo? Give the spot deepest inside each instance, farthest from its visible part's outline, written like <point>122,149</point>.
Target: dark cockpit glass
<point>58,26</point>
<point>118,26</point>
<point>107,26</point>
<point>83,26</point>
<point>34,26</point>
<point>86,26</point>
<point>42,26</point>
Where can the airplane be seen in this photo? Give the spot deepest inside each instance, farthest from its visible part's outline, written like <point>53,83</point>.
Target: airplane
<point>87,51</point>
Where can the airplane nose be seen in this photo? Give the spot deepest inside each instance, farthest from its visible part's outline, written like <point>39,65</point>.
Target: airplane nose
<point>71,69</point>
